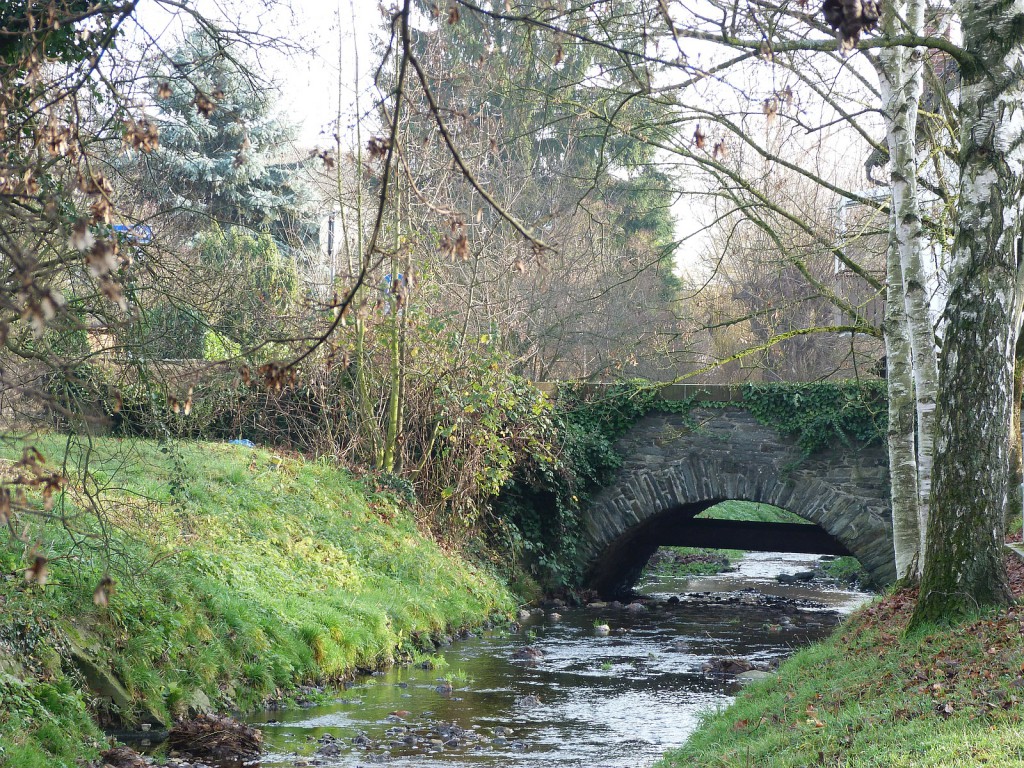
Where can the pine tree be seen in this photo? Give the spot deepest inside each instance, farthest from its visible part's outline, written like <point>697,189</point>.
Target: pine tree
<point>224,154</point>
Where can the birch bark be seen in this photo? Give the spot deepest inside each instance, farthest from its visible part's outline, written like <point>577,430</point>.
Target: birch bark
<point>909,337</point>
<point>902,412</point>
<point>963,564</point>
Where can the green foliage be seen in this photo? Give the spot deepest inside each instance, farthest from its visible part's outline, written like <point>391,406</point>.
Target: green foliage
<point>542,504</point>
<point>173,332</point>
<point>683,562</point>
<point>822,413</point>
<point>485,418</point>
<point>846,569</point>
<point>62,43</point>
<point>260,285</point>
<point>217,347</point>
<point>44,725</point>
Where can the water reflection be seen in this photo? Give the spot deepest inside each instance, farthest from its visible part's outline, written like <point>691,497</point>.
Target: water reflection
<point>616,700</point>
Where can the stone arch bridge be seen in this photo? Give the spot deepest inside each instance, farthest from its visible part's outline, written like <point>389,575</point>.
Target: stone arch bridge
<point>677,466</point>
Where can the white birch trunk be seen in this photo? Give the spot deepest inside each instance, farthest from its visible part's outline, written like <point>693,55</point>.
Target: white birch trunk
<point>906,533</point>
<point>909,338</point>
<point>907,209</point>
<point>964,564</point>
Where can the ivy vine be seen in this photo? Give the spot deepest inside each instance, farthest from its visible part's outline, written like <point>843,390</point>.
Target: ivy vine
<point>823,413</point>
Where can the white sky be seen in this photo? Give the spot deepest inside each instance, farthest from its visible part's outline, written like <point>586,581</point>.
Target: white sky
<point>330,64</point>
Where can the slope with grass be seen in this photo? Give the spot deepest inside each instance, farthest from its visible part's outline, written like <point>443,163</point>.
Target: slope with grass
<point>872,696</point>
<point>239,573</point>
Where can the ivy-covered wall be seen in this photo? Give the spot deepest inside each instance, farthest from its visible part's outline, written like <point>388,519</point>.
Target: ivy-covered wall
<point>544,505</point>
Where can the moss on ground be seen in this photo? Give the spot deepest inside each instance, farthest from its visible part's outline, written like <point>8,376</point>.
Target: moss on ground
<point>239,573</point>
<point>874,696</point>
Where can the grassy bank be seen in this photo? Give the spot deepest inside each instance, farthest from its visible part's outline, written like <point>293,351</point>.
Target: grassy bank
<point>872,696</point>
<point>238,573</point>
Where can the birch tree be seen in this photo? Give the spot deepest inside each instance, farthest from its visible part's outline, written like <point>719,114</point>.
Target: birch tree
<point>963,564</point>
<point>910,339</point>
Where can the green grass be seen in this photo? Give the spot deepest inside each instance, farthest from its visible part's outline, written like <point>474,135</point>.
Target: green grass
<point>683,562</point>
<point>846,568</point>
<point>752,511</point>
<point>238,572</point>
<point>872,697</point>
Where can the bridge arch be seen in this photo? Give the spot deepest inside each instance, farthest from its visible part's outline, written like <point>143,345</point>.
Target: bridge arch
<point>673,471</point>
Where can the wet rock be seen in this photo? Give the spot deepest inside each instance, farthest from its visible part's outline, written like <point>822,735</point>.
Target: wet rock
<point>359,740</point>
<point>636,608</point>
<point>536,611</point>
<point>726,666</point>
<point>555,616</point>
<point>672,600</point>
<point>529,701</point>
<point>527,653</point>
<point>602,629</point>
<point>105,685</point>
<point>523,615</point>
<point>753,674</point>
<point>198,703</point>
<point>329,746</point>
<point>597,605</point>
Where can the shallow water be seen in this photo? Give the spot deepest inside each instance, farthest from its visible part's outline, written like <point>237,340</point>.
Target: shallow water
<point>616,700</point>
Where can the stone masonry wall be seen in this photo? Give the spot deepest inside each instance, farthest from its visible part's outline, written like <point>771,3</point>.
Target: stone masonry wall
<point>671,468</point>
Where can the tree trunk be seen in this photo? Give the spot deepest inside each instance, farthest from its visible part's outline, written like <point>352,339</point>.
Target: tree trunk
<point>964,561</point>
<point>909,339</point>
<point>902,456</point>
<point>1015,497</point>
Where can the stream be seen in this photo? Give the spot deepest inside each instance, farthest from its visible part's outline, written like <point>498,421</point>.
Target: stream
<point>557,691</point>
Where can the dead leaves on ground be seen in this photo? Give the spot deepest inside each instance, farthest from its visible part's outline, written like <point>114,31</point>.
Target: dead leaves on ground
<point>974,671</point>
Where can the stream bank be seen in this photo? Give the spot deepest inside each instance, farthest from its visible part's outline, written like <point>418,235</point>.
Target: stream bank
<point>872,696</point>
<point>239,574</point>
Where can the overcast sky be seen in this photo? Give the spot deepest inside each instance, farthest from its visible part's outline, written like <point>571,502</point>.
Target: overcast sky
<point>329,61</point>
